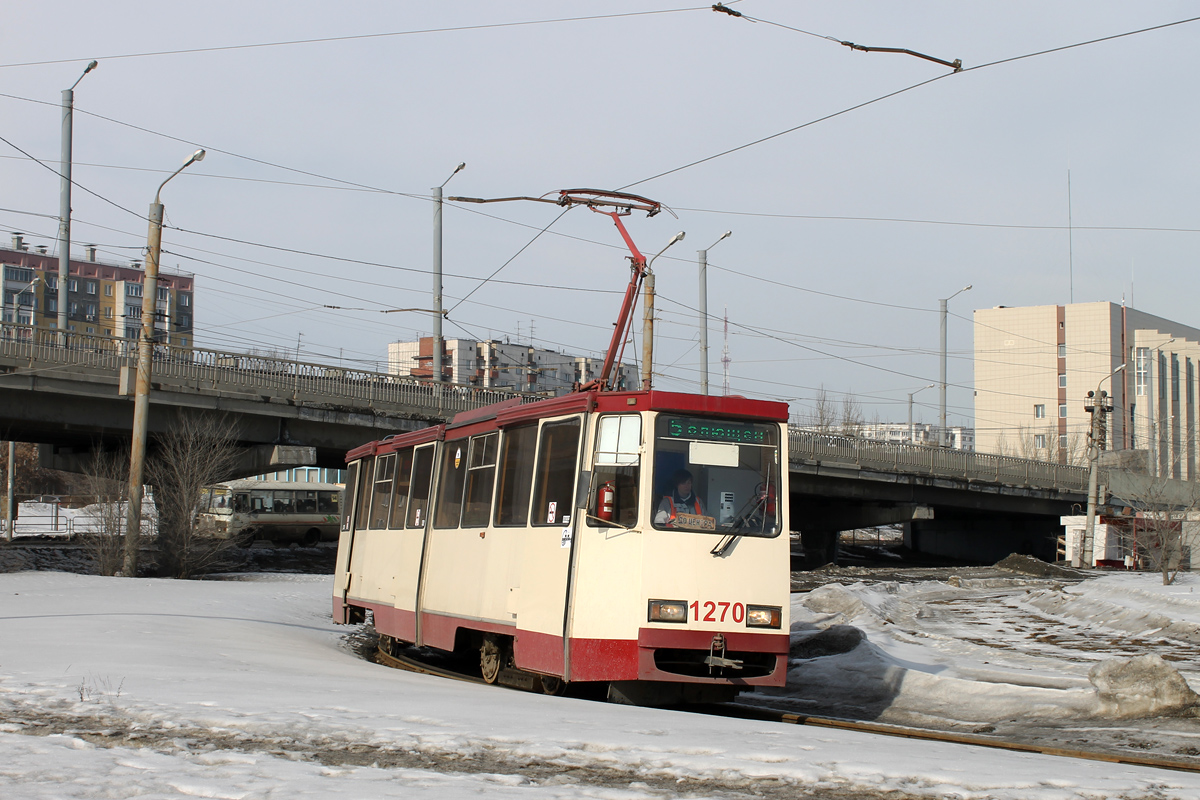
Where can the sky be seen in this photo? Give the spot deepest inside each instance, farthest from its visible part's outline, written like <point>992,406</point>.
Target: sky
<point>244,688</point>
<point>860,188</point>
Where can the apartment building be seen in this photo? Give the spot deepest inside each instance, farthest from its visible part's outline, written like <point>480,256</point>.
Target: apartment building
<point>105,299</point>
<point>957,436</point>
<point>497,364</point>
<point>1035,365</point>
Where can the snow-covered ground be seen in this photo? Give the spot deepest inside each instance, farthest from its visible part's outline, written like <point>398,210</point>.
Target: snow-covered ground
<point>244,688</point>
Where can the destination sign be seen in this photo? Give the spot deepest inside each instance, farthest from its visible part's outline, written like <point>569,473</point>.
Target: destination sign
<point>708,430</point>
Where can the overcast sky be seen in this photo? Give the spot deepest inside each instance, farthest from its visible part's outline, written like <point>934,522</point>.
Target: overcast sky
<point>846,232</point>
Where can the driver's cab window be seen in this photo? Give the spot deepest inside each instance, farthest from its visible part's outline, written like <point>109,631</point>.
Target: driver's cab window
<point>716,476</point>
<point>615,470</point>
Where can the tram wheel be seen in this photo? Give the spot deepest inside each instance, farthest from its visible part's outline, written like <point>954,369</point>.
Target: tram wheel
<point>489,659</point>
<point>555,687</point>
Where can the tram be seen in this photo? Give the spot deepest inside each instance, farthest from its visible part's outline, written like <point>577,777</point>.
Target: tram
<point>634,539</point>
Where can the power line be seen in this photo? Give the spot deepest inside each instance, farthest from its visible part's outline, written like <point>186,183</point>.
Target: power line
<point>356,37</point>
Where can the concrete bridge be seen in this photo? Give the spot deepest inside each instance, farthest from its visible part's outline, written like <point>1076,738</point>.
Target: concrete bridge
<point>288,413</point>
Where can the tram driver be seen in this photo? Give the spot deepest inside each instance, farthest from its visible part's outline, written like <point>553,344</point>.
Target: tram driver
<point>681,500</point>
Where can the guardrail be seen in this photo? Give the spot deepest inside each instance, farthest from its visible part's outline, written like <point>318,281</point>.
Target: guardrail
<point>915,459</point>
<point>246,373</point>
<point>240,372</point>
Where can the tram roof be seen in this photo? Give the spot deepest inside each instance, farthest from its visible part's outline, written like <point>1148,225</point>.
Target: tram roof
<point>511,412</point>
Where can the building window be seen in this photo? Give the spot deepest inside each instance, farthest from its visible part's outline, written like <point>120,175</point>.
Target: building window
<point>108,290</point>
<point>1039,411</point>
<point>1039,441</point>
<point>18,274</point>
<point>183,341</point>
<point>1142,367</point>
<point>133,290</point>
<point>90,287</point>
<point>1062,442</point>
<point>1062,411</point>
<point>91,330</point>
<point>1062,380</point>
<point>108,312</point>
<point>133,312</point>
<point>51,305</point>
<point>1062,351</point>
<point>52,282</point>
<point>1174,379</point>
<point>185,300</point>
<point>72,285</point>
<point>131,333</point>
<point>164,294</point>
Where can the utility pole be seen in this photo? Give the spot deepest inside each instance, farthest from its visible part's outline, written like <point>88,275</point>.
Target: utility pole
<point>437,274</point>
<point>141,395</point>
<point>704,311</point>
<point>64,206</point>
<point>1099,405</point>
<point>942,377</point>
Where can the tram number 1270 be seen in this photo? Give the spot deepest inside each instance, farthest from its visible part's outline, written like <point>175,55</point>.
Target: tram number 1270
<point>717,612</point>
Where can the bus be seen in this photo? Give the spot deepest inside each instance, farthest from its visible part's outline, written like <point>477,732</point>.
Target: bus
<point>279,511</point>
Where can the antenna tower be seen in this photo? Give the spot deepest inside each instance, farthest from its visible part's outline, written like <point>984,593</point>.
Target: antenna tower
<point>725,356</point>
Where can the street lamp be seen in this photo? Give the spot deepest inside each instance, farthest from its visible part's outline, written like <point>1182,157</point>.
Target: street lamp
<point>141,395</point>
<point>942,404</point>
<point>648,316</point>
<point>64,204</point>
<point>1098,403</point>
<point>437,274</point>
<point>704,311</point>
<point>911,435</point>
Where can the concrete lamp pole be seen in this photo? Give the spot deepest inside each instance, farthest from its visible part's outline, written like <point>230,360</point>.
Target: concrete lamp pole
<point>1098,404</point>
<point>141,396</point>
<point>704,311</point>
<point>437,274</point>
<point>648,317</point>
<point>911,436</point>
<point>942,441</point>
<point>64,206</point>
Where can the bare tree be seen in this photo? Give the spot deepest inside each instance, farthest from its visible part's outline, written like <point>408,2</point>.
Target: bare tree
<point>824,415</point>
<point>850,421</point>
<point>1166,528</point>
<point>195,452</point>
<point>106,482</point>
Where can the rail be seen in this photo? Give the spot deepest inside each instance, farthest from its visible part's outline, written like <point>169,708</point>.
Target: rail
<point>938,462</point>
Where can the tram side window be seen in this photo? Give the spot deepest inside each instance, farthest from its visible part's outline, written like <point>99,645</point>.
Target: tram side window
<point>351,477</point>
<point>615,472</point>
<point>516,475</point>
<point>418,503</point>
<point>385,467</point>
<point>450,484</point>
<point>557,463</point>
<point>404,462</point>
<point>366,470</point>
<point>481,477</point>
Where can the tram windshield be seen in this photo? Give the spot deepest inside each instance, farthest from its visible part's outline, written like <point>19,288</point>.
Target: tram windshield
<point>716,476</point>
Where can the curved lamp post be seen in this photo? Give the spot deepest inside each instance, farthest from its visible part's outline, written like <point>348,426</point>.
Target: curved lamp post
<point>141,396</point>
<point>704,311</point>
<point>64,205</point>
<point>942,439</point>
<point>911,436</point>
<point>648,316</point>
<point>437,275</point>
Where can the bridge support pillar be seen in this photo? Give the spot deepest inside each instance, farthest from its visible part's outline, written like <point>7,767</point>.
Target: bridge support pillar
<point>983,539</point>
<point>820,548</point>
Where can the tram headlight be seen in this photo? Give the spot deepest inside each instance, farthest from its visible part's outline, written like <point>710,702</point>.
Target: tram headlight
<point>763,616</point>
<point>667,611</point>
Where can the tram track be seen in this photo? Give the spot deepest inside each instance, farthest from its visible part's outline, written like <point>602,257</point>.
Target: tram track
<point>763,713</point>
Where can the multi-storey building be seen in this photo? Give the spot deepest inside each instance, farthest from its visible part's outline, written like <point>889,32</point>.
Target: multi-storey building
<point>957,437</point>
<point>105,299</point>
<point>496,364</point>
<point>1035,365</point>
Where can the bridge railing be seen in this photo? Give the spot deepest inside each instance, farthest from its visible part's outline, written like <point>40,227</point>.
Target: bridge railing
<point>934,461</point>
<point>267,374</point>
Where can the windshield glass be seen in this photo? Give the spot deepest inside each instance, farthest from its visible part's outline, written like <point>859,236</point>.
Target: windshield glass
<point>716,476</point>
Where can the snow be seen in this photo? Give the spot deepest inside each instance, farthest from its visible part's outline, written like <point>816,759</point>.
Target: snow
<point>244,688</point>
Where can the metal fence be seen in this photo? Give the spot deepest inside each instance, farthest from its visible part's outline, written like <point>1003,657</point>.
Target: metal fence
<point>244,373</point>
<point>914,459</point>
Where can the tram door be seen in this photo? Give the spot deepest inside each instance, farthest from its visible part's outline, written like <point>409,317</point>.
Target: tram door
<point>541,594</point>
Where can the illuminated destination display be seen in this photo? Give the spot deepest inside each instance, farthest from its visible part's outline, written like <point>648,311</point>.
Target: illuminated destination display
<point>708,430</point>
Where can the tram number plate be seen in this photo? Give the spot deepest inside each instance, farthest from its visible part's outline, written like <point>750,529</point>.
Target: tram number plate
<point>717,611</point>
<point>695,522</point>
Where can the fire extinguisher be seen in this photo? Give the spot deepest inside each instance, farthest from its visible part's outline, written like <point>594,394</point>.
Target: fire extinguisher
<point>606,502</point>
<point>766,498</point>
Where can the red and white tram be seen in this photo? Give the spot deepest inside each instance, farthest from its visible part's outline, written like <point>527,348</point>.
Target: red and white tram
<point>629,538</point>
<point>542,535</point>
